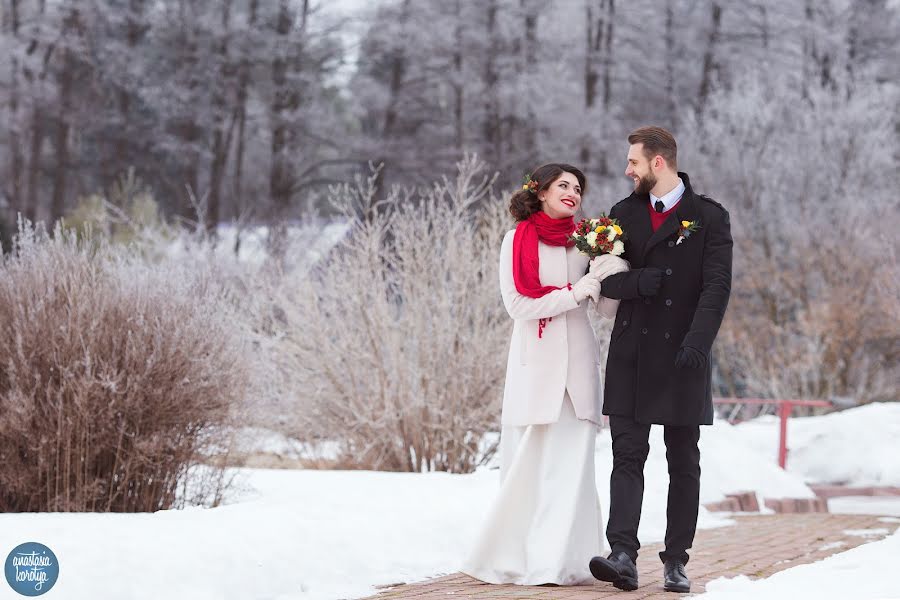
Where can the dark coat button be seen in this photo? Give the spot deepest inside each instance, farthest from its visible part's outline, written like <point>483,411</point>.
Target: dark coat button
<point>668,271</point>
<point>668,302</point>
<point>667,335</point>
<point>647,301</point>
<point>671,244</point>
<point>644,331</point>
<point>624,323</point>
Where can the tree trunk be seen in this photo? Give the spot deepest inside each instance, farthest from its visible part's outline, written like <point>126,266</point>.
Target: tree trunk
<point>491,127</point>
<point>32,206</point>
<point>529,54</point>
<point>33,200</point>
<point>709,58</point>
<point>530,28</point>
<point>188,130</point>
<point>287,99</point>
<point>598,52</point>
<point>17,161</point>
<point>237,186</point>
<point>280,180</point>
<point>459,95</point>
<point>608,54</point>
<point>593,30</point>
<point>398,72</point>
<point>61,143</point>
<point>66,82</point>
<point>670,63</point>
<point>134,34</point>
<point>221,137</point>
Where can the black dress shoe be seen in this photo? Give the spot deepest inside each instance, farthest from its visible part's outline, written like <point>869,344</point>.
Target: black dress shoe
<point>618,569</point>
<point>675,578</point>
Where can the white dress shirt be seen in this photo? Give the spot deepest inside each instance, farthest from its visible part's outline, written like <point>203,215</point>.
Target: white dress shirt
<point>671,199</point>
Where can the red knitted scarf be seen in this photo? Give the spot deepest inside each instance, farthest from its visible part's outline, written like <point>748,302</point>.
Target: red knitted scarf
<point>539,226</point>
<point>526,263</point>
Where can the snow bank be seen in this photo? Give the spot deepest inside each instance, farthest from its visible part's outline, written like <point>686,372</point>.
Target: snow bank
<point>865,505</point>
<point>856,446</point>
<point>284,535</point>
<point>867,572</point>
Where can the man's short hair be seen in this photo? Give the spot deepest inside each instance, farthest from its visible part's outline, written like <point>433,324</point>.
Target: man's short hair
<point>656,140</point>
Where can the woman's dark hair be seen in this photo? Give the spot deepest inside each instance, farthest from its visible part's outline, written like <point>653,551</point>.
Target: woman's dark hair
<point>525,202</point>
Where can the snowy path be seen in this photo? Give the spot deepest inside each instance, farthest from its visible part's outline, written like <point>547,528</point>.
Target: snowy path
<point>756,547</point>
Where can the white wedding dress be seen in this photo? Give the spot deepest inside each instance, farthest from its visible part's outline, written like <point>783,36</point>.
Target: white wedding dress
<point>545,523</point>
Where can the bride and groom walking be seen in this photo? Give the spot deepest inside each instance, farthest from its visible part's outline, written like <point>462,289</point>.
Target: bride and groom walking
<point>667,293</point>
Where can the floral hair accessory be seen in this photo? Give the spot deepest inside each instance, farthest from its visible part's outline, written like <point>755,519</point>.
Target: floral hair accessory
<point>530,184</point>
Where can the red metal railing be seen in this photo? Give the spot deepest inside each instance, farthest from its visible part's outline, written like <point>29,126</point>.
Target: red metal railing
<point>785,407</point>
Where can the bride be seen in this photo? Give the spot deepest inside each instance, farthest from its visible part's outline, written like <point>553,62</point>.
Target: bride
<point>546,520</point>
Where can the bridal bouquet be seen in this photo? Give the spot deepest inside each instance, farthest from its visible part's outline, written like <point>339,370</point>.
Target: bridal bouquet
<point>602,235</point>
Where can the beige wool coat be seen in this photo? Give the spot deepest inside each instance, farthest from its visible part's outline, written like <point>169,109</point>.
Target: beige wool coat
<point>566,356</point>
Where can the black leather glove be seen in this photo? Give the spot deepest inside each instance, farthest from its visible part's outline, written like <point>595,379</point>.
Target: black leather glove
<point>649,281</point>
<point>690,358</point>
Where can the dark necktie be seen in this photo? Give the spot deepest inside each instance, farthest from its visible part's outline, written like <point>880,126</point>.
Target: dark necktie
<point>659,206</point>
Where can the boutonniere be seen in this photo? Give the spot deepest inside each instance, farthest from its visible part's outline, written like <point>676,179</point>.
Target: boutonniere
<point>686,229</point>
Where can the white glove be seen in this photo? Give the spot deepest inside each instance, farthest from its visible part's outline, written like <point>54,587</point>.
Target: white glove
<point>586,287</point>
<point>606,264</point>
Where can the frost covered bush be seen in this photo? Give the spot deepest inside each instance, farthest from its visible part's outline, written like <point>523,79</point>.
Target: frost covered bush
<point>809,181</point>
<point>114,377</point>
<point>396,342</point>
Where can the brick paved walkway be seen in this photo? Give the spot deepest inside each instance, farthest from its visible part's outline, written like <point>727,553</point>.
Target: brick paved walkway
<point>757,546</point>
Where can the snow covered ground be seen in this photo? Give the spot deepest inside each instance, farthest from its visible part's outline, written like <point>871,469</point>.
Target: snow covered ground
<point>285,535</point>
<point>865,505</point>
<point>853,447</point>
<point>867,572</point>
<point>295,534</point>
<point>307,242</point>
<point>328,534</point>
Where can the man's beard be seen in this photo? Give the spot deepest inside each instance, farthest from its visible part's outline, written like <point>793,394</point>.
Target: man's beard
<point>645,184</point>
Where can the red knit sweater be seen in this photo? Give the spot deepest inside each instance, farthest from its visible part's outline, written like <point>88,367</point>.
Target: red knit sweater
<point>657,219</point>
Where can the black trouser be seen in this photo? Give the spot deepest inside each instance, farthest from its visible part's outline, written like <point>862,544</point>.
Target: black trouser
<point>630,448</point>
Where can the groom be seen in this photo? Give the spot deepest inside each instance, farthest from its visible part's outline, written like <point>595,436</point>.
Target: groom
<point>658,368</point>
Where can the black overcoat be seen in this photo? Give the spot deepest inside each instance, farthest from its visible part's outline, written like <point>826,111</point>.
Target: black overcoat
<point>642,381</point>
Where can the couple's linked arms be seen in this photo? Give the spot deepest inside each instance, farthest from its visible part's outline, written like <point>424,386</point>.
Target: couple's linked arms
<point>602,267</point>
<point>550,305</point>
<point>714,294</point>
